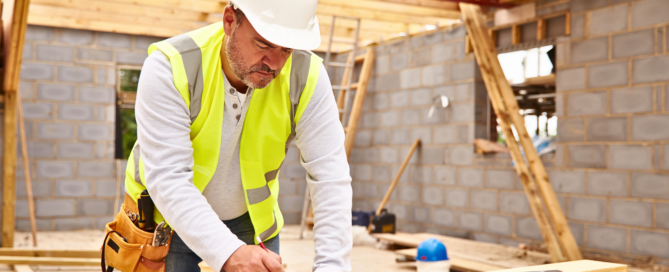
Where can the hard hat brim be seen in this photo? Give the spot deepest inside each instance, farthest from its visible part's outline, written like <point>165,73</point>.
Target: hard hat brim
<point>300,39</point>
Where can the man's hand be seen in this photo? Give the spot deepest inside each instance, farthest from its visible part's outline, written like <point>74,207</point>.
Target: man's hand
<point>251,258</point>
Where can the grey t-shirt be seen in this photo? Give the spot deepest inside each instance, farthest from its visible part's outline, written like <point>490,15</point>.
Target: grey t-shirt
<point>163,122</point>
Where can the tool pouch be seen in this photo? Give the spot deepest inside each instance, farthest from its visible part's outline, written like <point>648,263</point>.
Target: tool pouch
<point>127,248</point>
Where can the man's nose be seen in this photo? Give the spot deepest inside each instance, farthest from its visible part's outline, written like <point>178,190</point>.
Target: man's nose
<point>272,58</point>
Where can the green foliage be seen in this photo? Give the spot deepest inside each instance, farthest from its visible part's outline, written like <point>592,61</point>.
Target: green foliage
<point>129,130</point>
<point>129,80</point>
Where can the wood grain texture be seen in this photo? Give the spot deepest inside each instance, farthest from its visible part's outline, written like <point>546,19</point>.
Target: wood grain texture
<point>360,94</point>
<point>26,171</point>
<point>575,266</point>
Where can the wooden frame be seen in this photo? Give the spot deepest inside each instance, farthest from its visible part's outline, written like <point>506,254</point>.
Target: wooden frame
<point>15,14</point>
<point>541,28</point>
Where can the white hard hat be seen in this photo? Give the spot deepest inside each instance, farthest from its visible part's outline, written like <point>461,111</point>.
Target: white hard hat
<point>287,23</point>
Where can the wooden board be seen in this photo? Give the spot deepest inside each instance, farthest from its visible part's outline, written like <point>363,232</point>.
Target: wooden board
<point>50,261</point>
<point>490,254</point>
<point>457,262</point>
<point>60,253</point>
<point>575,266</point>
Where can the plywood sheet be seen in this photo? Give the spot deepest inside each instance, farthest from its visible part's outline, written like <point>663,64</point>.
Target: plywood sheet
<point>575,266</point>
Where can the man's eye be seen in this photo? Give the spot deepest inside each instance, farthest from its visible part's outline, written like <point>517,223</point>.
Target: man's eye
<point>287,50</point>
<point>261,46</point>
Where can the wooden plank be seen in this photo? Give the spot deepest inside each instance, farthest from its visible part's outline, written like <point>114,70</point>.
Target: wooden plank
<point>117,27</point>
<point>361,92</point>
<point>567,24</point>
<point>475,23</point>
<point>396,8</point>
<point>397,177</point>
<point>26,171</point>
<point>14,16</point>
<point>127,9</point>
<point>425,3</point>
<point>575,266</point>
<point>344,81</point>
<point>50,261</point>
<point>486,56</point>
<point>23,268</point>
<point>515,34</point>
<point>541,29</point>
<point>325,9</point>
<point>466,263</point>
<point>55,253</point>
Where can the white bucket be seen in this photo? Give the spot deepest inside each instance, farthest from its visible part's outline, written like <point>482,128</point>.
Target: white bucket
<point>438,266</point>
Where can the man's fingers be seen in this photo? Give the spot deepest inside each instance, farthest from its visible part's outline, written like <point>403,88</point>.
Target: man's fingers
<point>276,256</point>
<point>272,264</point>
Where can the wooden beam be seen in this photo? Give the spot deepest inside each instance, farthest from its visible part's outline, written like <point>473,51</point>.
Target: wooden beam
<point>117,27</point>
<point>486,57</point>
<point>26,170</point>
<point>56,253</point>
<point>324,9</point>
<point>567,24</point>
<point>541,29</point>
<point>425,3</point>
<point>515,34</point>
<point>15,15</point>
<point>459,263</point>
<point>50,261</point>
<point>576,266</point>
<point>395,8</point>
<point>497,84</point>
<point>127,9</point>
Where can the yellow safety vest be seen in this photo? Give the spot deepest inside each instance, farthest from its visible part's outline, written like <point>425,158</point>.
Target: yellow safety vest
<point>268,129</point>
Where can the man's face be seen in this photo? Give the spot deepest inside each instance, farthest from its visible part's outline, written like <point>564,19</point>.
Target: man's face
<point>254,60</point>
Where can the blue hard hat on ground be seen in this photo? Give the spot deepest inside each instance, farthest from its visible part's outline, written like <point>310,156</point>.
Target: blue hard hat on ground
<point>431,250</point>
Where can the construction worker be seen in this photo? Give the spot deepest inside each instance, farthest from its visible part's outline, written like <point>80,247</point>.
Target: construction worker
<point>216,110</point>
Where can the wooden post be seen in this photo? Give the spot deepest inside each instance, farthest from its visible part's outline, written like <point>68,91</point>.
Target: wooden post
<point>26,171</point>
<point>484,58</point>
<point>342,92</point>
<point>541,29</point>
<point>566,238</point>
<point>515,34</point>
<point>356,110</point>
<point>397,177</point>
<point>15,15</point>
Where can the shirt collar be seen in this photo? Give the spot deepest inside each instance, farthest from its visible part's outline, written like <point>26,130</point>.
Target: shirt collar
<point>229,86</point>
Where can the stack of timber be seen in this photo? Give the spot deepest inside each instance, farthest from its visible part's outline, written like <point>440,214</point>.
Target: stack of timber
<point>469,255</point>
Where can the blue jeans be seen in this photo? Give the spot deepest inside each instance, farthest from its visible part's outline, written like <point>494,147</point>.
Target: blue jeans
<point>180,258</point>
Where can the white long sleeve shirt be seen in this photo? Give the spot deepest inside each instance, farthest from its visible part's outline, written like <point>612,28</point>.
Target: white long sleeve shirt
<point>163,128</point>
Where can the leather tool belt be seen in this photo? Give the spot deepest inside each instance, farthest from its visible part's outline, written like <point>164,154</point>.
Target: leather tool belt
<point>128,248</point>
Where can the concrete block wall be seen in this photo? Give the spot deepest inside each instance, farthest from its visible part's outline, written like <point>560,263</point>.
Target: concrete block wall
<point>68,85</point>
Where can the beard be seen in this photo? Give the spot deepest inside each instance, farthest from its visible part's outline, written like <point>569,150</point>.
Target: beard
<point>244,72</point>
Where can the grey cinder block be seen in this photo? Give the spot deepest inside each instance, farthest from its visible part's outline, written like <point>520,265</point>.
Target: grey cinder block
<point>634,43</point>
<point>578,26</point>
<point>445,135</point>
<point>502,179</point>
<point>361,172</point>
<point>107,187</point>
<point>498,224</point>
<point>65,224</point>
<point>40,188</point>
<point>114,40</point>
<point>74,188</point>
<point>568,181</point>
<point>75,74</point>
<point>570,130</point>
<point>421,97</point>
<point>421,57</point>
<point>514,203</point>
<point>294,171</point>
<point>587,156</point>
<point>649,12</point>
<point>36,71</point>
<point>411,117</point>
<point>590,209</point>
<point>75,150</point>
<point>570,79</point>
<point>27,51</point>
<point>363,138</point>
<point>455,33</point>
<point>421,214</point>
<point>433,75</point>
<point>650,127</point>
<point>634,213</point>
<point>444,217</point>
<point>95,54</point>
<point>95,207</point>
<point>443,52</point>
<point>462,113</point>
<point>381,64</point>
<point>389,155</point>
<point>649,243</point>
<point>471,177</point>
<point>484,200</point>
<point>527,227</point>
<point>27,90</point>
<point>607,183</point>
<point>399,61</point>
<point>389,118</point>
<point>587,103</point>
<point>607,20</point>
<point>422,133</point>
<point>632,100</point>
<point>432,38</point>
<point>76,112</point>
<point>131,57</point>
<point>58,92</point>
<point>636,157</point>
<point>471,221</point>
<point>95,169</point>
<point>95,132</point>
<point>444,175</point>
<point>143,42</point>
<point>650,69</point>
<point>55,131</point>
<point>662,215</point>
<point>54,207</point>
<point>39,33</point>
<point>37,110</point>
<point>380,101</point>
<point>432,155</point>
<point>399,99</point>
<point>590,50</point>
<point>647,185</point>
<point>607,129</point>
<point>433,196</point>
<point>607,238</point>
<point>457,197</point>
<point>461,155</point>
<point>409,193</point>
<point>55,53</point>
<point>75,36</point>
<point>380,137</point>
<point>463,70</point>
<point>421,174</point>
<point>578,6</point>
<point>608,74</point>
<point>410,78</point>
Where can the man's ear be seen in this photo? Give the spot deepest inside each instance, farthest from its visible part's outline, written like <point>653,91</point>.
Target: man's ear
<point>229,20</point>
